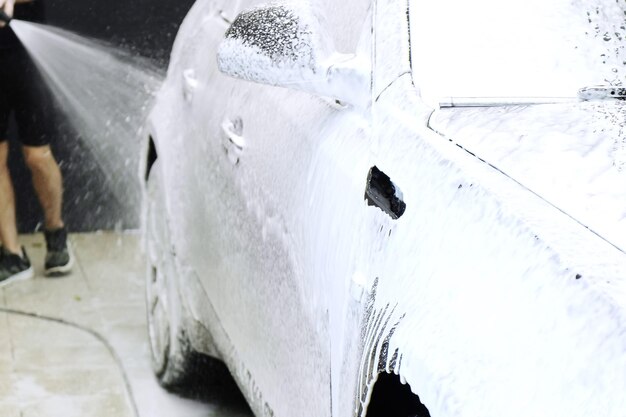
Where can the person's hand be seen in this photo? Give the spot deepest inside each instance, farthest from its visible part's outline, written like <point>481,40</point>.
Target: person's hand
<point>7,6</point>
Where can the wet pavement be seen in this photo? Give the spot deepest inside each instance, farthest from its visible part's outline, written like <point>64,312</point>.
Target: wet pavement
<point>77,346</point>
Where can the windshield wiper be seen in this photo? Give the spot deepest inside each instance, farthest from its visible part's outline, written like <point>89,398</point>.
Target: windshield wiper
<point>602,92</point>
<point>500,101</point>
<point>599,92</point>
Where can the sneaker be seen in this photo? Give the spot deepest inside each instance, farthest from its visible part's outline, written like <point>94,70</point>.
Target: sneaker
<point>14,267</point>
<point>59,259</point>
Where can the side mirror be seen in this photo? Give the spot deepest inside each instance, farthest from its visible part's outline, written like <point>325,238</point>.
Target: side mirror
<point>284,45</point>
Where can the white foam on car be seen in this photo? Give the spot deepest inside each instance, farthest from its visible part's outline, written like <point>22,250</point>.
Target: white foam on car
<point>566,153</point>
<point>481,275</point>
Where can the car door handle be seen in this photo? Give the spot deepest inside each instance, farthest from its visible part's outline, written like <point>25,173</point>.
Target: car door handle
<point>233,131</point>
<point>233,141</point>
<point>190,83</point>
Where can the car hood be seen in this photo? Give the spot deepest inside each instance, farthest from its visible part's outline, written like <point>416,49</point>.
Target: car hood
<point>572,155</point>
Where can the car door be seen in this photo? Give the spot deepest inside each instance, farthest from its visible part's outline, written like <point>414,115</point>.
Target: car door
<point>271,170</point>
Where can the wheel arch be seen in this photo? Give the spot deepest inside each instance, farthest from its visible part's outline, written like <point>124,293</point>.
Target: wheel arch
<point>392,397</point>
<point>384,388</point>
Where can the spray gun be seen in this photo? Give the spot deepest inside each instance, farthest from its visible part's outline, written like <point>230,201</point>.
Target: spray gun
<point>5,17</point>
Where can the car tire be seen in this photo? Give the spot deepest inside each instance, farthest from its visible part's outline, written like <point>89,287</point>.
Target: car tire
<point>174,362</point>
<point>172,357</point>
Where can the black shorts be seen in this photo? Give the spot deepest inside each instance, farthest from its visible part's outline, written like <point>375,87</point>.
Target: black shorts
<point>24,94</point>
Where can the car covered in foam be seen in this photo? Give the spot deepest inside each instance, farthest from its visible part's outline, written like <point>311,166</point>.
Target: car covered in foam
<point>393,207</point>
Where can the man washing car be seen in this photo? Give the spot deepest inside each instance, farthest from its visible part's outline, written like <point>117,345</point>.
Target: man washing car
<point>23,94</point>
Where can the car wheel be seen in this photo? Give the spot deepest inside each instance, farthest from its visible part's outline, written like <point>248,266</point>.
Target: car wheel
<point>173,361</point>
<point>178,367</point>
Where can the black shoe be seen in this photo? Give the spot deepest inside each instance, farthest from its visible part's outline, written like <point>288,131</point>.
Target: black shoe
<point>59,259</point>
<point>14,267</point>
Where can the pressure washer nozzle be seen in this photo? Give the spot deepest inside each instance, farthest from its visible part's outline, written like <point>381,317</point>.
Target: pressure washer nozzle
<point>5,17</point>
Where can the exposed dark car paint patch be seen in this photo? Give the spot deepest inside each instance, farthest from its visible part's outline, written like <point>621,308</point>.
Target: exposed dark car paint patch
<point>394,360</point>
<point>384,353</point>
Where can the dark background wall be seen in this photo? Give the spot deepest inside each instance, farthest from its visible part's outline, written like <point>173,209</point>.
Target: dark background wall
<point>145,27</point>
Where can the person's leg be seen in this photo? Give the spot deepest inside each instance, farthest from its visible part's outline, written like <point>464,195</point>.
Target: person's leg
<point>8,227</point>
<point>48,183</point>
<point>14,262</point>
<point>34,111</point>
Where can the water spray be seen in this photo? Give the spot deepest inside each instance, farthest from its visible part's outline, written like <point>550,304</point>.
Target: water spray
<point>105,94</point>
<point>5,17</point>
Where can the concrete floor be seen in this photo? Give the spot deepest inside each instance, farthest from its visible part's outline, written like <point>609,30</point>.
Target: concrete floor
<point>77,346</point>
